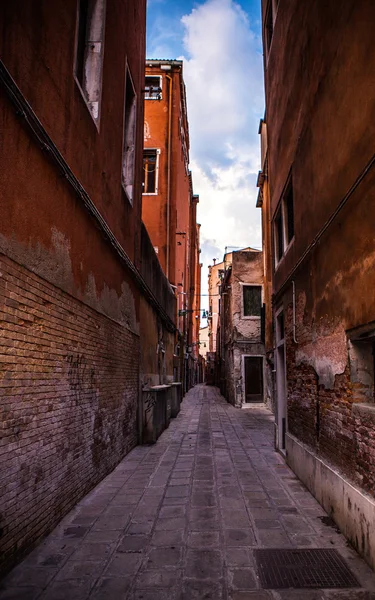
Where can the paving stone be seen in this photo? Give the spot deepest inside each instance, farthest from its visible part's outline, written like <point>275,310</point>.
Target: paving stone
<point>180,481</point>
<point>204,539</point>
<point>243,579</point>
<point>239,537</point>
<point>118,522</point>
<point>155,594</point>
<point>167,538</point>
<point>258,595</point>
<point>138,528</point>
<point>98,537</point>
<point>203,564</point>
<point>24,593</point>
<point>123,565</point>
<point>172,511</point>
<point>174,524</point>
<point>199,499</point>
<point>133,543</point>
<point>177,491</point>
<point>200,590</point>
<point>111,587</point>
<point>82,570</point>
<point>167,557</point>
<point>239,557</point>
<point>68,590</point>
<point>158,578</point>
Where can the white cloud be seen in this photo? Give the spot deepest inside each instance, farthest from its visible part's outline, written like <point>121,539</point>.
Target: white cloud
<point>223,72</point>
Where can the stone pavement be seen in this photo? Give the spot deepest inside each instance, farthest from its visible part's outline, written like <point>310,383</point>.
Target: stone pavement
<point>180,520</point>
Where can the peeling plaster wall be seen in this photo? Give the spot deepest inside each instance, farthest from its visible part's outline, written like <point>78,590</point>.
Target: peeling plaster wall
<point>317,79</point>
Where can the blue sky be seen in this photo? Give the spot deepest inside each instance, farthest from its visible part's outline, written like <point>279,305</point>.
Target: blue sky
<point>220,44</point>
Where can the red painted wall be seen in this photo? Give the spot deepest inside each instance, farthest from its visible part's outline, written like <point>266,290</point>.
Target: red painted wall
<point>70,308</point>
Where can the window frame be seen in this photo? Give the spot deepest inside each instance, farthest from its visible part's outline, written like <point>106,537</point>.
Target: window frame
<point>283,214</point>
<point>244,284</point>
<point>157,152</point>
<point>85,93</point>
<point>160,93</point>
<point>126,186</point>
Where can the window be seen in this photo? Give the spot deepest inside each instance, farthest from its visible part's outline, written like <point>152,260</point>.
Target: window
<point>150,171</point>
<point>269,26</point>
<point>361,344</point>
<point>289,213</point>
<point>279,235</point>
<point>252,300</point>
<point>153,88</point>
<point>284,222</point>
<point>129,137</point>
<point>89,52</point>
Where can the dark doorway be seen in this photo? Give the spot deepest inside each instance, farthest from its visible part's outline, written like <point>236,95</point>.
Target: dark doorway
<point>253,379</point>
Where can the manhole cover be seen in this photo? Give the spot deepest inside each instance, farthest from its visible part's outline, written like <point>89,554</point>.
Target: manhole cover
<point>318,568</point>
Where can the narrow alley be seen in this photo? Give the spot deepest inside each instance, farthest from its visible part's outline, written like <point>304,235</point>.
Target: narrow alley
<point>186,519</point>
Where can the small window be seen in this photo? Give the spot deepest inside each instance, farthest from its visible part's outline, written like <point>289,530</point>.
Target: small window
<point>150,171</point>
<point>252,300</point>
<point>279,235</point>
<point>289,213</point>
<point>153,88</point>
<point>269,26</point>
<point>89,52</point>
<point>129,137</point>
<point>280,327</point>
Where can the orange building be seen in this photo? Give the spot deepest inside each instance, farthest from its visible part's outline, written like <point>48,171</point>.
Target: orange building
<point>169,205</point>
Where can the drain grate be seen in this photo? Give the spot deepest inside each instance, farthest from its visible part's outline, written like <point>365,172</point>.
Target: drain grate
<point>312,568</point>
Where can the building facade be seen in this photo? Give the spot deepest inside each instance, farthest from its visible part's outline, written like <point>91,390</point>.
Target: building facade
<point>77,278</point>
<point>240,335</point>
<point>320,112</point>
<point>169,205</point>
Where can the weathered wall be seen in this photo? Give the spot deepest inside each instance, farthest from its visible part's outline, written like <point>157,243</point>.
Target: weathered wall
<point>157,342</point>
<point>69,363</point>
<point>68,391</point>
<point>320,106</point>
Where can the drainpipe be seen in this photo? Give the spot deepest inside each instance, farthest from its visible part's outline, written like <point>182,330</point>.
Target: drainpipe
<point>294,312</point>
<point>169,169</point>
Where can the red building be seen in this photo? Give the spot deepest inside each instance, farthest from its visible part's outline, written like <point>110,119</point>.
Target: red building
<point>169,205</point>
<point>73,276</point>
<point>319,198</point>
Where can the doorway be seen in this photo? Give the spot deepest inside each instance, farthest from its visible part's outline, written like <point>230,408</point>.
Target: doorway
<point>253,379</point>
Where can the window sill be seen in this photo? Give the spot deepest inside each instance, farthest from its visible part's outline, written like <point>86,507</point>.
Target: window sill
<point>150,193</point>
<point>251,318</point>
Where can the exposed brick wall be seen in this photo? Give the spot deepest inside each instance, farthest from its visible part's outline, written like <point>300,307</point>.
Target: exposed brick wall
<point>328,419</point>
<point>68,400</point>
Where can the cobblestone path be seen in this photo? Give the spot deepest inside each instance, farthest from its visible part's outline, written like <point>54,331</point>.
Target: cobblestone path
<point>180,520</point>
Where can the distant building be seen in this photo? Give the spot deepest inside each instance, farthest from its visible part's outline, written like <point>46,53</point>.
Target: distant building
<point>169,205</point>
<point>204,341</point>
<point>319,84</point>
<point>215,276</point>
<point>240,338</point>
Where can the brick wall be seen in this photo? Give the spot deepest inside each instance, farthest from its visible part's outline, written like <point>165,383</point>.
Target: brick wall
<point>68,401</point>
<point>327,417</point>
